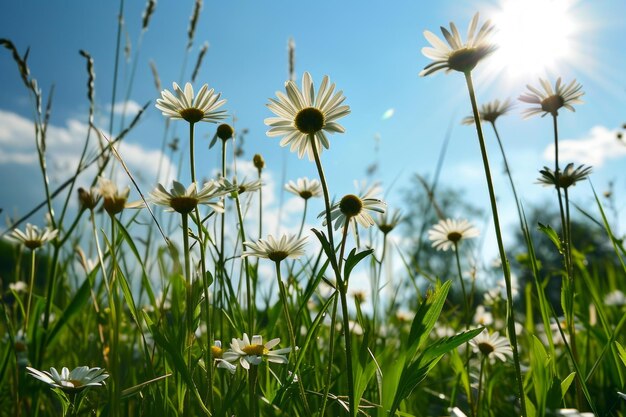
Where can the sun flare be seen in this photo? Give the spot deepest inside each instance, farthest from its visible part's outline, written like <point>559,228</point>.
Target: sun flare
<point>533,36</point>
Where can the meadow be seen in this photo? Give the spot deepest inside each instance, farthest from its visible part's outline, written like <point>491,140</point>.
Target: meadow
<point>180,300</point>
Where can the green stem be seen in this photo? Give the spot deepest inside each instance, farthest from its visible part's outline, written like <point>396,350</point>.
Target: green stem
<point>249,300</point>
<point>189,305</point>
<point>261,209</point>
<point>331,354</point>
<point>329,226</point>
<point>505,263</point>
<point>480,386</point>
<point>31,286</point>
<point>120,21</point>
<point>343,290</point>
<point>192,164</point>
<point>114,302</point>
<point>292,335</point>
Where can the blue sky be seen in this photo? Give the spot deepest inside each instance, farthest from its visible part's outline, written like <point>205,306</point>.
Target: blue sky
<point>371,50</point>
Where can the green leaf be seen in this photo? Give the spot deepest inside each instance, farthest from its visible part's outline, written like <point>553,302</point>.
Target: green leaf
<point>352,260</point>
<point>129,392</point>
<point>552,235</point>
<point>426,317</point>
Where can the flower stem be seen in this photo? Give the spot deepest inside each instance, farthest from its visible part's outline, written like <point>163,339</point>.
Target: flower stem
<point>249,298</point>
<point>292,336</point>
<point>505,263</point>
<point>192,165</point>
<point>31,286</point>
<point>189,305</point>
<point>340,284</point>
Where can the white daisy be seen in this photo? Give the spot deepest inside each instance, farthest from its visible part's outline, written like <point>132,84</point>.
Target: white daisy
<point>75,380</point>
<point>183,106</point>
<point>615,298</point>
<point>354,207</point>
<point>32,237</point>
<point>276,250</point>
<point>570,176</point>
<point>388,221</point>
<point>492,345</point>
<point>185,200</point>
<point>18,287</point>
<point>305,188</point>
<point>458,56</point>
<point>490,111</point>
<point>253,352</point>
<point>482,317</point>
<point>303,113</point>
<point>447,233</point>
<point>551,100</point>
<point>114,199</point>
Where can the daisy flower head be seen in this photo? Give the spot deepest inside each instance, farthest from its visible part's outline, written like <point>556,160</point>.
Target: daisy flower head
<point>551,100</point>
<point>114,199</point>
<point>305,188</point>
<point>304,117</point>
<point>75,380</point>
<point>185,200</point>
<point>570,176</point>
<point>449,232</point>
<point>252,352</point>
<point>288,246</point>
<point>354,207</point>
<point>490,111</point>
<point>388,221</point>
<point>88,199</point>
<point>32,237</point>
<point>457,55</point>
<point>492,345</point>
<point>182,105</point>
<point>615,298</point>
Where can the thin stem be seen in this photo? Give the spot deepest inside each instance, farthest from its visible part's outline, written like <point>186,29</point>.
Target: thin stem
<point>343,290</point>
<point>120,23</point>
<point>480,385</point>
<point>188,303</point>
<point>331,354</point>
<point>192,165</point>
<point>329,226</point>
<point>505,263</point>
<point>261,209</point>
<point>306,205</point>
<point>31,286</point>
<point>249,300</point>
<point>508,173</point>
<point>292,336</point>
<point>465,300</point>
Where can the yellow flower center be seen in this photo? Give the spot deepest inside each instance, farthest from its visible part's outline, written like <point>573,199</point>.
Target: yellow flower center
<point>485,348</point>
<point>350,205</point>
<point>217,352</point>
<point>454,237</point>
<point>183,205</point>
<point>552,104</point>
<point>192,115</point>
<point>277,256</point>
<point>255,350</point>
<point>309,120</point>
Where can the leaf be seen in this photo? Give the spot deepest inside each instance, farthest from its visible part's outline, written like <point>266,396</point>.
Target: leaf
<point>129,392</point>
<point>552,235</point>
<point>426,318</point>
<point>352,260</point>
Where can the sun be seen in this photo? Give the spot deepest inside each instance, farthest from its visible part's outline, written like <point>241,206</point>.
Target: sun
<point>533,36</point>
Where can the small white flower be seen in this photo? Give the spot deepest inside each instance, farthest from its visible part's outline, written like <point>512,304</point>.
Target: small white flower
<point>354,207</point>
<point>18,287</point>
<point>449,232</point>
<point>305,188</point>
<point>615,298</point>
<point>549,101</point>
<point>32,237</point>
<point>483,317</point>
<point>75,380</point>
<point>492,345</point>
<point>288,246</point>
<point>253,352</point>
<point>183,106</point>
<point>185,200</point>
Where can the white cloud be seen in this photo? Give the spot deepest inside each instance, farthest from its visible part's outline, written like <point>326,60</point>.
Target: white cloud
<point>598,146</point>
<point>129,107</point>
<point>64,145</point>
